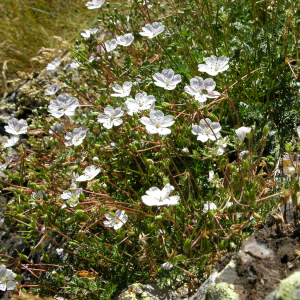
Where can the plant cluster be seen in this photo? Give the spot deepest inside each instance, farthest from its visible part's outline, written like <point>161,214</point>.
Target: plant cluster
<point>155,154</point>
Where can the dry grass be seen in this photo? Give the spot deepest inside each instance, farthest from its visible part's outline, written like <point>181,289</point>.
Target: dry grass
<point>28,25</point>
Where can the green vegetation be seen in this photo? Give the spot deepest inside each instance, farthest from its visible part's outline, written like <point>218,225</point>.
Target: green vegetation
<point>137,190</point>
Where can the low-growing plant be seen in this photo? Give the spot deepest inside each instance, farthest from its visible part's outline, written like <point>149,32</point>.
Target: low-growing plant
<point>158,155</point>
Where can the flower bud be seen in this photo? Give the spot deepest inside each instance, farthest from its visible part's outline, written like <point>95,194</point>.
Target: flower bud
<point>187,245</point>
<point>80,235</point>
<point>82,196</point>
<point>205,110</point>
<point>133,147</point>
<point>213,117</point>
<point>102,210</point>
<point>158,218</point>
<point>165,104</point>
<point>266,130</point>
<point>257,216</point>
<point>46,257</point>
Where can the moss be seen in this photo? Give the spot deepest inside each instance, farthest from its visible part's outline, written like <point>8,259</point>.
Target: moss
<point>221,291</point>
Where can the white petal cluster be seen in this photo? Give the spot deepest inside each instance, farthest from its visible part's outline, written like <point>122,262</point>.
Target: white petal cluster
<point>242,132</point>
<point>152,30</point>
<point>141,102</point>
<point>222,144</point>
<point>111,45</point>
<point>166,79</point>
<point>7,279</point>
<point>202,89</point>
<point>11,141</point>
<point>298,131</point>
<point>71,196</point>
<point>36,196</point>
<point>63,105</point>
<point>74,65</point>
<point>88,32</point>
<point>209,206</point>
<point>111,117</point>
<point>122,91</point>
<point>167,266</point>
<point>7,160</point>
<point>76,137</point>
<point>52,90</point>
<point>94,4</point>
<point>53,64</point>
<point>207,130</point>
<point>117,221</point>
<point>57,128</point>
<point>214,65</point>
<point>158,122</point>
<point>158,197</point>
<point>89,173</point>
<point>125,40</point>
<point>16,127</point>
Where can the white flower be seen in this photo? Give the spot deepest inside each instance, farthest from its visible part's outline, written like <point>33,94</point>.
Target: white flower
<point>141,102</point>
<point>63,105</point>
<point>209,206</point>
<point>158,123</point>
<point>16,127</point>
<point>222,143</point>
<point>123,91</point>
<point>167,266</point>
<point>125,40</point>
<point>158,197</point>
<point>36,196</point>
<point>74,65</point>
<point>57,128</point>
<point>298,131</point>
<point>71,196</point>
<point>12,141</point>
<point>89,173</point>
<point>111,45</point>
<point>202,89</point>
<point>51,90</point>
<point>94,4</point>
<point>117,221</point>
<point>153,30</point>
<point>76,137</point>
<point>7,160</point>
<point>111,117</point>
<point>167,79</point>
<point>211,176</point>
<point>243,155</point>
<point>206,132</point>
<point>7,279</point>
<point>59,252</point>
<point>87,33</point>
<point>53,64</point>
<point>244,104</point>
<point>214,65</point>
<point>242,132</point>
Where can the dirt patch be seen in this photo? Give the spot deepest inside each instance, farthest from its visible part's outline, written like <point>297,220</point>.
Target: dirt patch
<point>265,259</point>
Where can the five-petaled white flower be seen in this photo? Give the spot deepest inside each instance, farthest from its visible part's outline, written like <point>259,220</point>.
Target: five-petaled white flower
<point>152,30</point>
<point>209,206</point>
<point>202,89</point>
<point>94,4</point>
<point>167,266</point>
<point>122,91</point>
<point>222,144</point>
<point>76,137</point>
<point>117,221</point>
<point>7,279</point>
<point>242,132</point>
<point>141,102</point>
<point>214,65</point>
<point>111,117</point>
<point>52,90</point>
<point>87,33</point>
<point>111,45</point>
<point>125,40</point>
<point>89,173</point>
<point>158,122</point>
<point>167,79</point>
<point>207,130</point>
<point>53,64</point>
<point>12,141</point>
<point>16,126</point>
<point>71,196</point>
<point>158,197</point>
<point>63,105</point>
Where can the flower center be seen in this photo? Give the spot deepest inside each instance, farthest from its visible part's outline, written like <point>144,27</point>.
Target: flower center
<point>65,108</point>
<point>157,125</point>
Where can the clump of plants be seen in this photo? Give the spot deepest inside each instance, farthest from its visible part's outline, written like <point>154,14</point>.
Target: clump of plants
<point>156,152</point>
